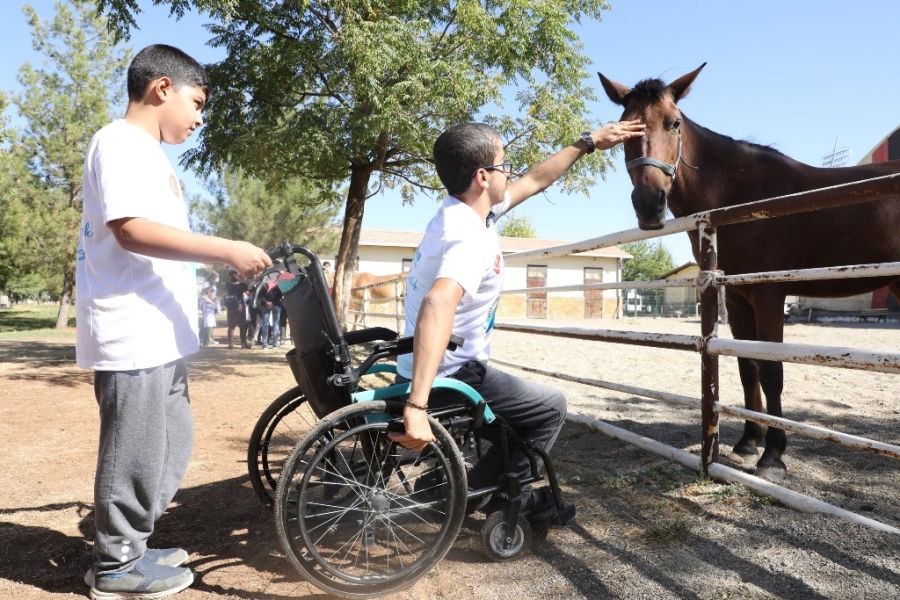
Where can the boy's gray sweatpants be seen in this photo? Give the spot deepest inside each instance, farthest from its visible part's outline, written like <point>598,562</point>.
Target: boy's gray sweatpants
<point>146,439</point>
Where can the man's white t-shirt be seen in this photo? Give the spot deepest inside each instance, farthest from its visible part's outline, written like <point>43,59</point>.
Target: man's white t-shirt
<point>458,245</point>
<point>133,311</point>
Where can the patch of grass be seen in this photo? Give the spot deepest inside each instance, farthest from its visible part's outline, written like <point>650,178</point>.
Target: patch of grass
<point>31,317</point>
<point>666,476</point>
<point>668,531</point>
<point>736,490</point>
<point>599,479</point>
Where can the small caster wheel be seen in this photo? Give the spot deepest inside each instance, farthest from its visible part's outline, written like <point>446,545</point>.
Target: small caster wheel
<point>493,539</point>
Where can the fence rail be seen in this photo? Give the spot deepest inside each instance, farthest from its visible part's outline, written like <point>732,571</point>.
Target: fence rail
<point>709,282</point>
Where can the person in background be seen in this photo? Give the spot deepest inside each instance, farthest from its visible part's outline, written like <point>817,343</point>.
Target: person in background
<point>234,308</point>
<point>269,305</point>
<point>211,281</point>
<point>209,308</point>
<point>245,321</point>
<point>329,276</point>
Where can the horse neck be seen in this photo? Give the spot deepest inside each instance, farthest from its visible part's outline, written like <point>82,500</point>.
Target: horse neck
<point>728,172</point>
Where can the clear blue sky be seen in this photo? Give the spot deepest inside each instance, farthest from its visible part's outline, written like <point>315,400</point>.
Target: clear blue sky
<point>794,75</point>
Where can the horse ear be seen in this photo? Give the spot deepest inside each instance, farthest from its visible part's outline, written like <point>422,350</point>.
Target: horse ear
<point>681,86</point>
<point>615,91</point>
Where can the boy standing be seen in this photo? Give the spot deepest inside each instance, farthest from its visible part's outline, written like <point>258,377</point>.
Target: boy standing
<point>137,319</point>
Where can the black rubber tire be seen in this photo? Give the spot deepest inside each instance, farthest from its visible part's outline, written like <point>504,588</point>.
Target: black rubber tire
<point>349,513</point>
<point>492,534</point>
<point>277,431</point>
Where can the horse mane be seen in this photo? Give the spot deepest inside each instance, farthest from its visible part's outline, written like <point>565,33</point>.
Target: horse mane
<point>646,89</point>
<point>652,89</point>
<point>725,139</point>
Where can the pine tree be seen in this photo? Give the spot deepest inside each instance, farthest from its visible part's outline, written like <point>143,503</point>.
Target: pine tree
<point>65,102</point>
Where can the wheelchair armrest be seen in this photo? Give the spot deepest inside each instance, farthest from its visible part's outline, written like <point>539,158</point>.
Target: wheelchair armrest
<point>405,345</point>
<point>374,334</point>
<point>395,347</point>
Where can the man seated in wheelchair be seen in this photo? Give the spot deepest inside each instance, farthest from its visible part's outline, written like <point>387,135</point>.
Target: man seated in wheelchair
<point>454,287</point>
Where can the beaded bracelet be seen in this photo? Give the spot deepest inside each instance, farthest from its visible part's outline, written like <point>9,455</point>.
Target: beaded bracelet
<point>416,406</point>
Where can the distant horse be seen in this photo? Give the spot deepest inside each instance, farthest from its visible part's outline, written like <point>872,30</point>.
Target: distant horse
<point>690,169</point>
<point>379,292</point>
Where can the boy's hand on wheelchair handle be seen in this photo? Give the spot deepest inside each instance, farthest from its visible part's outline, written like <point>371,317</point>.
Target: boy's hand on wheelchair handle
<point>418,430</point>
<point>247,259</point>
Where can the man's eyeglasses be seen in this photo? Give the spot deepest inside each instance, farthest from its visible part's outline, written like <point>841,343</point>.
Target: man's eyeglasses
<point>506,168</point>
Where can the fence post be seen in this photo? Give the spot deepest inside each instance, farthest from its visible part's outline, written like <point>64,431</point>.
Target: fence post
<point>709,374</point>
<point>365,308</point>
<point>397,285</point>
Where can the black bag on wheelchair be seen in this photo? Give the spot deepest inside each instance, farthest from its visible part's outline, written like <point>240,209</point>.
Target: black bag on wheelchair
<point>320,360</point>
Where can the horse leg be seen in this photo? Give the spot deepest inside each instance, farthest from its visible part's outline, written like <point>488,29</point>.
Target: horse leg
<point>770,328</point>
<point>743,327</point>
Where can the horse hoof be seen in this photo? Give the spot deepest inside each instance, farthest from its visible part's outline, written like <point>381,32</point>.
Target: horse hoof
<point>735,458</point>
<point>743,455</point>
<point>773,473</point>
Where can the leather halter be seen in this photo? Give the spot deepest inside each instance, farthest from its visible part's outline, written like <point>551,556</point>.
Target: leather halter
<point>666,168</point>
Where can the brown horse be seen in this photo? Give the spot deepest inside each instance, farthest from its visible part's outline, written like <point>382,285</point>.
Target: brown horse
<point>680,165</point>
<point>379,292</point>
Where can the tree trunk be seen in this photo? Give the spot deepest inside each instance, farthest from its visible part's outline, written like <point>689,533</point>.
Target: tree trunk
<point>347,252</point>
<point>62,319</point>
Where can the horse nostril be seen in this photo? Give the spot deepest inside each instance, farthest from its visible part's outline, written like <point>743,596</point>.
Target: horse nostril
<point>662,201</point>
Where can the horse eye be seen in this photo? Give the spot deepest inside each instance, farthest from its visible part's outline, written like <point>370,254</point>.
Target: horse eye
<point>676,124</point>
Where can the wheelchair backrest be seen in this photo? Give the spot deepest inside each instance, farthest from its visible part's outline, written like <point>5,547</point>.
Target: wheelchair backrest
<point>320,350</point>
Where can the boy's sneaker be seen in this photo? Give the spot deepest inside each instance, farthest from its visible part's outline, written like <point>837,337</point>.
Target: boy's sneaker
<point>146,581</point>
<point>169,557</point>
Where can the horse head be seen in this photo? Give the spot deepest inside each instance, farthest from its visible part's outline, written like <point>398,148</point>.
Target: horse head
<point>652,160</point>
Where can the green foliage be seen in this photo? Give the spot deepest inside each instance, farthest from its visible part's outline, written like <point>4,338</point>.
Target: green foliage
<point>245,208</point>
<point>318,88</point>
<point>357,91</point>
<point>516,226</point>
<point>651,261</point>
<point>12,214</point>
<point>64,102</point>
<point>26,286</point>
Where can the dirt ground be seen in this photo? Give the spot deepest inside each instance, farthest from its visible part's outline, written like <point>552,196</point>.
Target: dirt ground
<point>646,528</point>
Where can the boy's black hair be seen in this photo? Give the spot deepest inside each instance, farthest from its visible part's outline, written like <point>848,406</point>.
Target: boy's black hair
<point>460,151</point>
<point>160,60</point>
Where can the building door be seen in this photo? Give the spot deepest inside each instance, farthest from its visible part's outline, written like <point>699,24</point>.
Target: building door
<point>593,299</point>
<point>536,303</point>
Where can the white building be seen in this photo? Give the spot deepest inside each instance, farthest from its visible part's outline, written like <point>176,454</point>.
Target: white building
<point>384,252</point>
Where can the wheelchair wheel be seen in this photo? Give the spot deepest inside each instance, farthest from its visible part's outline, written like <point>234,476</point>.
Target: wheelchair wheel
<point>277,431</point>
<point>493,537</point>
<point>360,516</point>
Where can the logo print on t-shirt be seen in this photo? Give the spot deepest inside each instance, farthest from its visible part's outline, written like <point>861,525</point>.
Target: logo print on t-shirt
<point>176,187</point>
<point>497,265</point>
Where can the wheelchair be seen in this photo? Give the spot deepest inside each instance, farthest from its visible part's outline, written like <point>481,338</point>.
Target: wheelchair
<point>357,514</point>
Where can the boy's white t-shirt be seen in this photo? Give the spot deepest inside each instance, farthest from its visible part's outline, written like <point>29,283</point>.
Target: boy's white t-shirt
<point>133,311</point>
<point>458,245</point>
